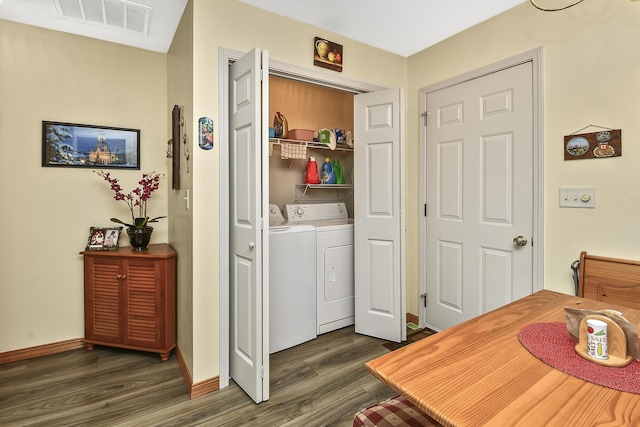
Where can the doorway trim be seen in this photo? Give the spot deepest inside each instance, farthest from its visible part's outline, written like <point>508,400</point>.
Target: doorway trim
<point>227,56</point>
<point>535,56</point>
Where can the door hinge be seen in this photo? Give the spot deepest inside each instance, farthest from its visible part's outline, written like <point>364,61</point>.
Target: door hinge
<point>262,372</point>
<point>426,118</point>
<point>424,298</point>
<point>261,75</point>
<point>425,209</point>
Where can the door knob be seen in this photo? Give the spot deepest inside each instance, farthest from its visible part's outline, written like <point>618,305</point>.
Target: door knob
<point>252,245</point>
<point>520,241</point>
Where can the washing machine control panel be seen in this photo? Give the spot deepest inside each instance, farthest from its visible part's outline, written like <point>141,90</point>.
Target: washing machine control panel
<point>316,211</point>
<point>275,215</point>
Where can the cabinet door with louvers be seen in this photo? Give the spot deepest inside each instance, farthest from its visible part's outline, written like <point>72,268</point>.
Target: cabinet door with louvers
<point>103,293</point>
<point>142,300</point>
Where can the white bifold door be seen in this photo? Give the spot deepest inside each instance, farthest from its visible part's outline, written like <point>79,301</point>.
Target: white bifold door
<point>379,220</point>
<point>248,238</point>
<point>379,215</point>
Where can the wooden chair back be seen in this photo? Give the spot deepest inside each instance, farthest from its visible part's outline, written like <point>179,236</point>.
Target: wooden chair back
<point>611,280</point>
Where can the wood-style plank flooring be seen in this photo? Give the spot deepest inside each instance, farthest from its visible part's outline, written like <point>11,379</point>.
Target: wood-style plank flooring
<point>319,383</point>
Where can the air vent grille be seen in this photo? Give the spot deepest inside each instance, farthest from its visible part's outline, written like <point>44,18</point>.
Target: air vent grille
<point>114,13</point>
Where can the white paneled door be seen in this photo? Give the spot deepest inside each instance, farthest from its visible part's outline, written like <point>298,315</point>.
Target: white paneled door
<point>248,240</point>
<point>379,220</point>
<point>479,172</point>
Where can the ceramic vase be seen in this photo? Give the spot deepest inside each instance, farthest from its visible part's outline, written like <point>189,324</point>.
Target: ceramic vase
<point>139,238</point>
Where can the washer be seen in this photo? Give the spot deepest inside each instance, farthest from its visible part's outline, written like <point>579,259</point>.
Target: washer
<point>292,282</point>
<point>334,262</point>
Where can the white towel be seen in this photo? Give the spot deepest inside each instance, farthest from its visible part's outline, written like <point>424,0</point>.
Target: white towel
<point>293,151</point>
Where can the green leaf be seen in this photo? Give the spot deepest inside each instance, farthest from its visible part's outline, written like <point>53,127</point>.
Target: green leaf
<point>121,222</point>
<point>156,219</point>
<point>140,222</point>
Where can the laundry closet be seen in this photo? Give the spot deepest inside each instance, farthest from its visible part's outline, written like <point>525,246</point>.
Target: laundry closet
<point>369,257</point>
<point>311,253</point>
<point>309,107</point>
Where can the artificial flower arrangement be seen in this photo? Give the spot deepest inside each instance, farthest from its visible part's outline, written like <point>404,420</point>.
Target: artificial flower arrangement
<point>138,197</point>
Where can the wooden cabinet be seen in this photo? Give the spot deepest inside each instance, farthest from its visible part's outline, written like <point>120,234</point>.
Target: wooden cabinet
<point>130,299</point>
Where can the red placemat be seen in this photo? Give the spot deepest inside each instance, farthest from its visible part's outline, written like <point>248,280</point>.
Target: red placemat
<point>552,343</point>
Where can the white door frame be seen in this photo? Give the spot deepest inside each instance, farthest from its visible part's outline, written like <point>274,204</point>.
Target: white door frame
<point>534,56</point>
<point>226,56</point>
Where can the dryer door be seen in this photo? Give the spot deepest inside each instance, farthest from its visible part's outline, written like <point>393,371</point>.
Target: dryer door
<point>335,280</point>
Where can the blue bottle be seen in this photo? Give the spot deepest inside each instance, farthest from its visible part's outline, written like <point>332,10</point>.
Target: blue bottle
<point>328,175</point>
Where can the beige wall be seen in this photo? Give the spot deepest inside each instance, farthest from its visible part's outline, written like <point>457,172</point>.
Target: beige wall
<point>590,55</point>
<point>233,25</point>
<point>591,61</point>
<point>47,212</point>
<point>49,75</point>
<point>180,92</point>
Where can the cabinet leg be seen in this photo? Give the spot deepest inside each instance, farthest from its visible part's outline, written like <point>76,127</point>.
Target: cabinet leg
<point>165,356</point>
<point>88,346</point>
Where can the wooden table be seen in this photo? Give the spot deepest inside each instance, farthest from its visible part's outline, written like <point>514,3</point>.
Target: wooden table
<point>478,374</point>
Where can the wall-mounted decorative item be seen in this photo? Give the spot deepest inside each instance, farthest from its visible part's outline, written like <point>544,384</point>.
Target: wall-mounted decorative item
<point>89,146</point>
<point>205,133</point>
<point>187,153</point>
<point>103,238</point>
<point>327,54</point>
<point>594,145</point>
<point>175,138</point>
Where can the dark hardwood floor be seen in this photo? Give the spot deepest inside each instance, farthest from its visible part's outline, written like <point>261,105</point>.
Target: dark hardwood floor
<point>319,383</point>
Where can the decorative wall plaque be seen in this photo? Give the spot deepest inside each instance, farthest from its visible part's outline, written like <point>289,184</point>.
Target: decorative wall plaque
<point>595,145</point>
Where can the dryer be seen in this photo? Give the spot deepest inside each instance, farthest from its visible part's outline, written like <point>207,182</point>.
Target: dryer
<point>335,281</point>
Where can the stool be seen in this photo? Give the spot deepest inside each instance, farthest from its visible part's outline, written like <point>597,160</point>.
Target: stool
<point>397,411</point>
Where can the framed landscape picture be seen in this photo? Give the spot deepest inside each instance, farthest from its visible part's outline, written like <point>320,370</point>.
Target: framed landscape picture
<point>89,146</point>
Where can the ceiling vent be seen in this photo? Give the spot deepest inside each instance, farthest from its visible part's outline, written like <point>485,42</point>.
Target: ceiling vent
<point>114,13</point>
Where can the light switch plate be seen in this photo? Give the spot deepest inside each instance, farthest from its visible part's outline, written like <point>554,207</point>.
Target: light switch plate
<point>577,197</point>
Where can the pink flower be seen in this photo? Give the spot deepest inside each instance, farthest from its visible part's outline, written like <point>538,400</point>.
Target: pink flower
<point>149,183</point>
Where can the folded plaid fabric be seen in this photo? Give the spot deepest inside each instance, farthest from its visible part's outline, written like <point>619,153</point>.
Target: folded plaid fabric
<point>394,412</point>
<point>293,151</point>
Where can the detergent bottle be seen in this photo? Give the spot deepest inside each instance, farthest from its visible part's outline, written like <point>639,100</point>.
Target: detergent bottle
<point>280,125</point>
<point>328,175</point>
<point>311,172</point>
<point>337,169</point>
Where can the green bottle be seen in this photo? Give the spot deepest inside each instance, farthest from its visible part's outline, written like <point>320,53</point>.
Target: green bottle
<point>337,169</point>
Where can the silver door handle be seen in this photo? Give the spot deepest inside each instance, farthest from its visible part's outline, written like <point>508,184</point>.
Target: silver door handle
<point>520,241</point>
<point>252,245</point>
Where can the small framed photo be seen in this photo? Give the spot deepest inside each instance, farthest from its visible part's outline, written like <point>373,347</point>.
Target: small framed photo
<point>103,238</point>
<point>89,146</point>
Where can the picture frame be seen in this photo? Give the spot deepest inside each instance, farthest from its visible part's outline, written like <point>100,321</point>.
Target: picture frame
<point>103,238</point>
<point>327,54</point>
<point>593,145</point>
<point>89,146</point>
